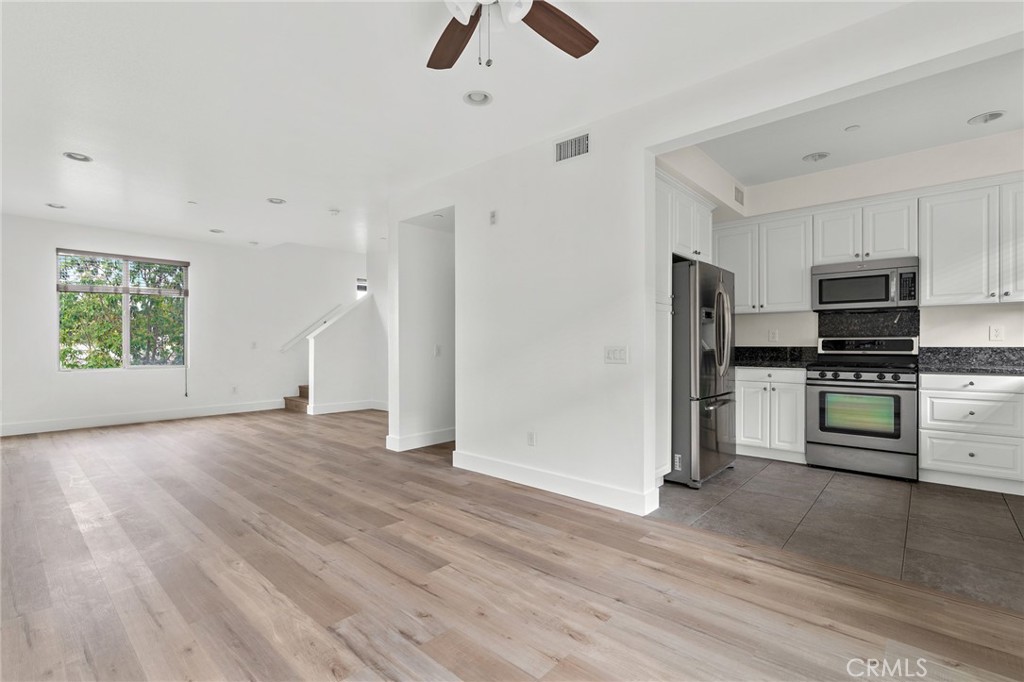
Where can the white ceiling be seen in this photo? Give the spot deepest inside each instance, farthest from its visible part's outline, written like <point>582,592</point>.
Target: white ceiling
<point>925,113</point>
<point>328,105</point>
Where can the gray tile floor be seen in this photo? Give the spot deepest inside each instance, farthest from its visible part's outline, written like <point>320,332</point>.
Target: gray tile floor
<point>967,542</point>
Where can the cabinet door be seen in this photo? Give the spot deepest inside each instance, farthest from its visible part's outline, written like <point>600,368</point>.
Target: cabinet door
<point>837,236</point>
<point>787,417</point>
<point>890,229</point>
<point>735,249</point>
<point>702,233</point>
<point>785,249</point>
<point>1011,242</point>
<point>664,210</point>
<point>683,242</point>
<point>752,405</point>
<point>663,391</point>
<point>960,247</point>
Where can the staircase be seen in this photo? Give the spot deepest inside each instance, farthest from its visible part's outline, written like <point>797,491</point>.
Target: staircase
<point>300,402</point>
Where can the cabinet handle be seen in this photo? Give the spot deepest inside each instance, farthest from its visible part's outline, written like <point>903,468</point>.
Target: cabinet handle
<point>866,254</point>
<point>970,454</point>
<point>753,307</point>
<point>1006,293</point>
<point>992,295</point>
<point>762,305</point>
<point>698,253</point>
<point>970,383</point>
<point>856,255</point>
<point>773,388</point>
<point>764,388</point>
<point>695,251</point>
<point>971,413</point>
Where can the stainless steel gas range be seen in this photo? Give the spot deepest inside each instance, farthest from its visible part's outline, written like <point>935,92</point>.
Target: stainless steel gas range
<point>862,406</point>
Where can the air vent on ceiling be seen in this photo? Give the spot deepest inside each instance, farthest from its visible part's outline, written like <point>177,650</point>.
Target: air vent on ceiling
<point>573,147</point>
<point>738,195</point>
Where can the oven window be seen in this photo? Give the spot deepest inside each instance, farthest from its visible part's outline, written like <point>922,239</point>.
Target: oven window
<point>865,289</point>
<point>877,416</point>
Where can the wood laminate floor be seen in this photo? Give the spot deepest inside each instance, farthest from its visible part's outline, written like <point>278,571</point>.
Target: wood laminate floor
<point>278,546</point>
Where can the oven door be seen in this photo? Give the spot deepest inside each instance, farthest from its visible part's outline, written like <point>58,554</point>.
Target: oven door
<point>854,290</point>
<point>875,418</point>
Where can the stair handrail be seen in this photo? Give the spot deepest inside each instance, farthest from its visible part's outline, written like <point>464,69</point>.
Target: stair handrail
<point>324,321</point>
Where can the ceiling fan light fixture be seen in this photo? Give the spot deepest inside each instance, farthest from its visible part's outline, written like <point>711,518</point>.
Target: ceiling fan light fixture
<point>514,10</point>
<point>461,10</point>
<point>477,98</point>
<point>76,156</point>
<point>816,156</point>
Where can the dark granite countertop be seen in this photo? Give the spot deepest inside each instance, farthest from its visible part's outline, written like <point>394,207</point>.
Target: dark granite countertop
<point>788,357</point>
<point>971,360</point>
<point>785,364</point>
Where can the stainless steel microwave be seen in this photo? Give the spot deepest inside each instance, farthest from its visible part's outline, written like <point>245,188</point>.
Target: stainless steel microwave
<point>865,285</point>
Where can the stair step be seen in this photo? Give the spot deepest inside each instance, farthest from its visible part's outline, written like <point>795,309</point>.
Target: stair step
<point>296,403</point>
<point>304,391</point>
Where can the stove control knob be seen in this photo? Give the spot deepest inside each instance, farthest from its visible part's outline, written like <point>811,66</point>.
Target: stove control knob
<point>857,375</point>
<point>823,374</point>
<point>835,375</point>
<point>880,376</point>
<point>895,377</point>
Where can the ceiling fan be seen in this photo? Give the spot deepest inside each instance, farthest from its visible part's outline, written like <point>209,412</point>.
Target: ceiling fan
<point>551,23</point>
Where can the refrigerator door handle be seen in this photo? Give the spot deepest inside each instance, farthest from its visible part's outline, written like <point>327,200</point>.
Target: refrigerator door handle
<point>723,330</point>
<point>718,403</point>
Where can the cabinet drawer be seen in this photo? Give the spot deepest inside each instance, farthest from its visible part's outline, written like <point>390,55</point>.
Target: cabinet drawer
<point>981,383</point>
<point>776,374</point>
<point>995,414</point>
<point>991,456</point>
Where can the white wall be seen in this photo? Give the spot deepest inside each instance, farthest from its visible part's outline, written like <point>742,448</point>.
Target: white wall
<point>795,329</point>
<point>978,158</point>
<point>240,296</point>
<point>346,369</point>
<point>967,325</point>
<point>699,171</point>
<point>425,300</point>
<point>569,268</point>
<point>377,285</point>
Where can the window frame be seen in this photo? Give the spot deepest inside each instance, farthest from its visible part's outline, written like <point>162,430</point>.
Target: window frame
<point>126,291</point>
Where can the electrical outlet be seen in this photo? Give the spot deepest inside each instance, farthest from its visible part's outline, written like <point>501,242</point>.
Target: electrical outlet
<point>996,333</point>
<point>531,438</point>
<point>773,335</point>
<point>616,355</point>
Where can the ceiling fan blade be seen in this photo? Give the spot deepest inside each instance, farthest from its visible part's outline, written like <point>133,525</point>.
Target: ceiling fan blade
<point>452,42</point>
<point>559,29</point>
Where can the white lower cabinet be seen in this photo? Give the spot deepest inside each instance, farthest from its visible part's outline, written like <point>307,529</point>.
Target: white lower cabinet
<point>972,431</point>
<point>770,413</point>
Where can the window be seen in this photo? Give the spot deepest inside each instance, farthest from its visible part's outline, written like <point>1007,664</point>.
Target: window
<point>120,311</point>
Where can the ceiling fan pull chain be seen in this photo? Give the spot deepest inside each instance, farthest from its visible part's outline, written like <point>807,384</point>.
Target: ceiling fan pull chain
<point>480,44</point>
<point>489,60</point>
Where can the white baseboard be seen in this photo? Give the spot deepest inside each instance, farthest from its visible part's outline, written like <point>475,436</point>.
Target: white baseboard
<point>328,408</point>
<point>996,485</point>
<point>45,425</point>
<point>767,453</point>
<point>419,440</point>
<point>633,502</point>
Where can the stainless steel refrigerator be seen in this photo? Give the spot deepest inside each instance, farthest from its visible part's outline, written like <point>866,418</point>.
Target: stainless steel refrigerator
<point>703,382</point>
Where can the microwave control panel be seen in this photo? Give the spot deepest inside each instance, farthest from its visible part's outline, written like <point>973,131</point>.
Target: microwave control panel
<point>908,286</point>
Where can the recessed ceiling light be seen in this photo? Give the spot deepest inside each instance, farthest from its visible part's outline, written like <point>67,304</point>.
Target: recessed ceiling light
<point>56,205</point>
<point>816,156</point>
<point>852,129</point>
<point>275,200</point>
<point>438,215</point>
<point>75,156</point>
<point>987,117</point>
<point>217,231</point>
<point>254,243</point>
<point>477,98</point>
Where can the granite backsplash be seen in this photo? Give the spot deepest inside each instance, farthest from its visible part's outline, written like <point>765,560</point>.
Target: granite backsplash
<point>971,360</point>
<point>869,324</point>
<point>774,356</point>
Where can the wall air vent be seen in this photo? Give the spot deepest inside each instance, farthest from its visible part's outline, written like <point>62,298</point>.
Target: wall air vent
<point>573,147</point>
<point>738,195</point>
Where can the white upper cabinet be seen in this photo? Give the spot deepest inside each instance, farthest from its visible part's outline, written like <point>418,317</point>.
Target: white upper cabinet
<point>863,233</point>
<point>664,218</point>
<point>890,230</point>
<point>837,236</point>
<point>785,265</point>
<point>736,251</point>
<point>960,247</point>
<point>687,216</point>
<point>1011,242</point>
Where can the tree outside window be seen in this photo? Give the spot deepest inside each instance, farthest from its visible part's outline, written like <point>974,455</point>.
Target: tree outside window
<point>118,311</point>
